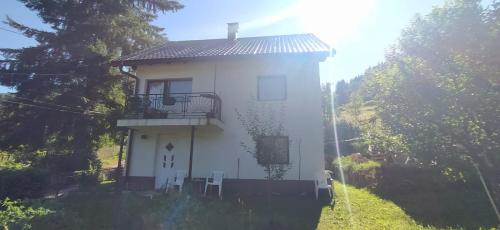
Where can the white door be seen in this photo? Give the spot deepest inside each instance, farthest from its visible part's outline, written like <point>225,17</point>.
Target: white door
<point>172,153</point>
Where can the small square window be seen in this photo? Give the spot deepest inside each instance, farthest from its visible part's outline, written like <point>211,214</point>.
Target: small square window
<point>272,88</point>
<point>272,150</point>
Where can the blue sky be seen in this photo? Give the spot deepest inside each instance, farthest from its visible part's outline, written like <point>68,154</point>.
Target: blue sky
<point>359,30</point>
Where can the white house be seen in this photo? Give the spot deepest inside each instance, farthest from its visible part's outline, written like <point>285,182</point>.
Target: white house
<point>184,115</point>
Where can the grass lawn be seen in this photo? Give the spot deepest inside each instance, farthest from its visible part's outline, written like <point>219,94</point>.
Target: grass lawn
<point>109,156</point>
<point>367,111</point>
<point>368,212</point>
<point>101,210</point>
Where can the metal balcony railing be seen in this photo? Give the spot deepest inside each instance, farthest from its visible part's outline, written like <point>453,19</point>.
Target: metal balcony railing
<point>174,105</point>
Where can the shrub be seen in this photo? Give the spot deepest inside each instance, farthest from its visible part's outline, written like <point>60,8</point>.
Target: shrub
<point>355,163</point>
<point>91,176</point>
<point>63,163</point>
<point>22,183</point>
<point>358,170</point>
<point>14,215</point>
<point>8,161</point>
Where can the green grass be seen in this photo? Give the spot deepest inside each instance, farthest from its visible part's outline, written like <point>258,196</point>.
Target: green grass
<point>103,210</point>
<point>350,164</point>
<point>368,212</point>
<point>108,155</point>
<point>366,112</point>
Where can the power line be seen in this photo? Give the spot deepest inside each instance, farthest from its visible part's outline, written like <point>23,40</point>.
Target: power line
<point>40,74</point>
<point>30,76</point>
<point>53,104</point>
<point>43,107</point>
<point>12,31</point>
<point>48,108</point>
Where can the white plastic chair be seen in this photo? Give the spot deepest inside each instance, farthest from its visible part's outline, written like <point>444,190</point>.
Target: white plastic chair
<point>217,177</point>
<point>321,182</point>
<point>176,179</point>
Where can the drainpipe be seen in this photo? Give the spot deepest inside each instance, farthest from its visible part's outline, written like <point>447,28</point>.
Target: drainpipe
<point>190,172</point>
<point>130,131</point>
<point>129,154</point>
<point>118,173</point>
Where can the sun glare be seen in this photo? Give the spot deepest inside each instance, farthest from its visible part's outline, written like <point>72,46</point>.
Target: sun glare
<point>333,21</point>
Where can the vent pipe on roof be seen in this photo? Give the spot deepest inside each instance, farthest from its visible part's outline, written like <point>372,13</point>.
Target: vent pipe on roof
<point>232,30</point>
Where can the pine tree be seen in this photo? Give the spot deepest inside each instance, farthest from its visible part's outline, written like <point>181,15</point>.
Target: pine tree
<point>79,95</point>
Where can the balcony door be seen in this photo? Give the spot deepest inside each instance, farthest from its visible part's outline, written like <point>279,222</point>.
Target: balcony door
<point>169,96</point>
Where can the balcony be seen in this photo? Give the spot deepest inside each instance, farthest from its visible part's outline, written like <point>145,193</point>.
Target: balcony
<point>172,109</point>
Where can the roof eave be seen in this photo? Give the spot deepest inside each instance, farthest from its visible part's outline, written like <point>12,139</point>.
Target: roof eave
<point>318,56</point>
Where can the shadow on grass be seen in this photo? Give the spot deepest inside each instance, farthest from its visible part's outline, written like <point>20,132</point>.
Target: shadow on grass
<point>431,199</point>
<point>238,211</point>
<point>100,208</point>
<point>276,212</point>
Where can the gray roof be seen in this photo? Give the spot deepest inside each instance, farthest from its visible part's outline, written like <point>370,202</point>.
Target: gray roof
<point>268,45</point>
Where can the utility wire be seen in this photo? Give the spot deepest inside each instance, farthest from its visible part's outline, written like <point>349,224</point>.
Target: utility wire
<point>53,104</point>
<point>31,75</point>
<point>40,74</point>
<point>46,107</point>
<point>12,31</point>
<point>43,107</point>
<point>44,104</point>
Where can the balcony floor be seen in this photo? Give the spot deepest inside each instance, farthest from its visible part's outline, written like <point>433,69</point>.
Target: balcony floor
<point>143,123</point>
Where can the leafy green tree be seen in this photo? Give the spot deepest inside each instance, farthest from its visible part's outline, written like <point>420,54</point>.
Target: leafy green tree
<point>326,105</point>
<point>344,90</point>
<point>439,91</point>
<point>341,93</point>
<point>73,75</point>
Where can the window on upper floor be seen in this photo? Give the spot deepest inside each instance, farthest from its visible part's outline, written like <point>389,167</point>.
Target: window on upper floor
<point>272,150</point>
<point>168,92</point>
<point>271,88</point>
<point>173,86</point>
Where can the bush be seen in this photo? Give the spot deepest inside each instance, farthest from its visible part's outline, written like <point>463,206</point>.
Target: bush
<point>432,197</point>
<point>9,161</point>
<point>63,163</point>
<point>355,163</point>
<point>358,170</point>
<point>91,176</point>
<point>22,183</point>
<point>15,215</point>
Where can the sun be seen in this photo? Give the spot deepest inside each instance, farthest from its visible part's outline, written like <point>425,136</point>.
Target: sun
<point>332,21</point>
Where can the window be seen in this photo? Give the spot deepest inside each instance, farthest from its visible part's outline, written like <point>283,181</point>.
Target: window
<point>180,86</point>
<point>160,91</point>
<point>156,87</point>
<point>272,150</point>
<point>271,88</point>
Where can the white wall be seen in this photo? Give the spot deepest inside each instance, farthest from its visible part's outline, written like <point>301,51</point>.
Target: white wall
<point>143,154</point>
<point>236,84</point>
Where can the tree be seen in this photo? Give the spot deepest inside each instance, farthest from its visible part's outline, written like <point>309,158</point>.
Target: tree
<point>341,93</point>
<point>439,88</point>
<point>74,96</point>
<point>326,105</point>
